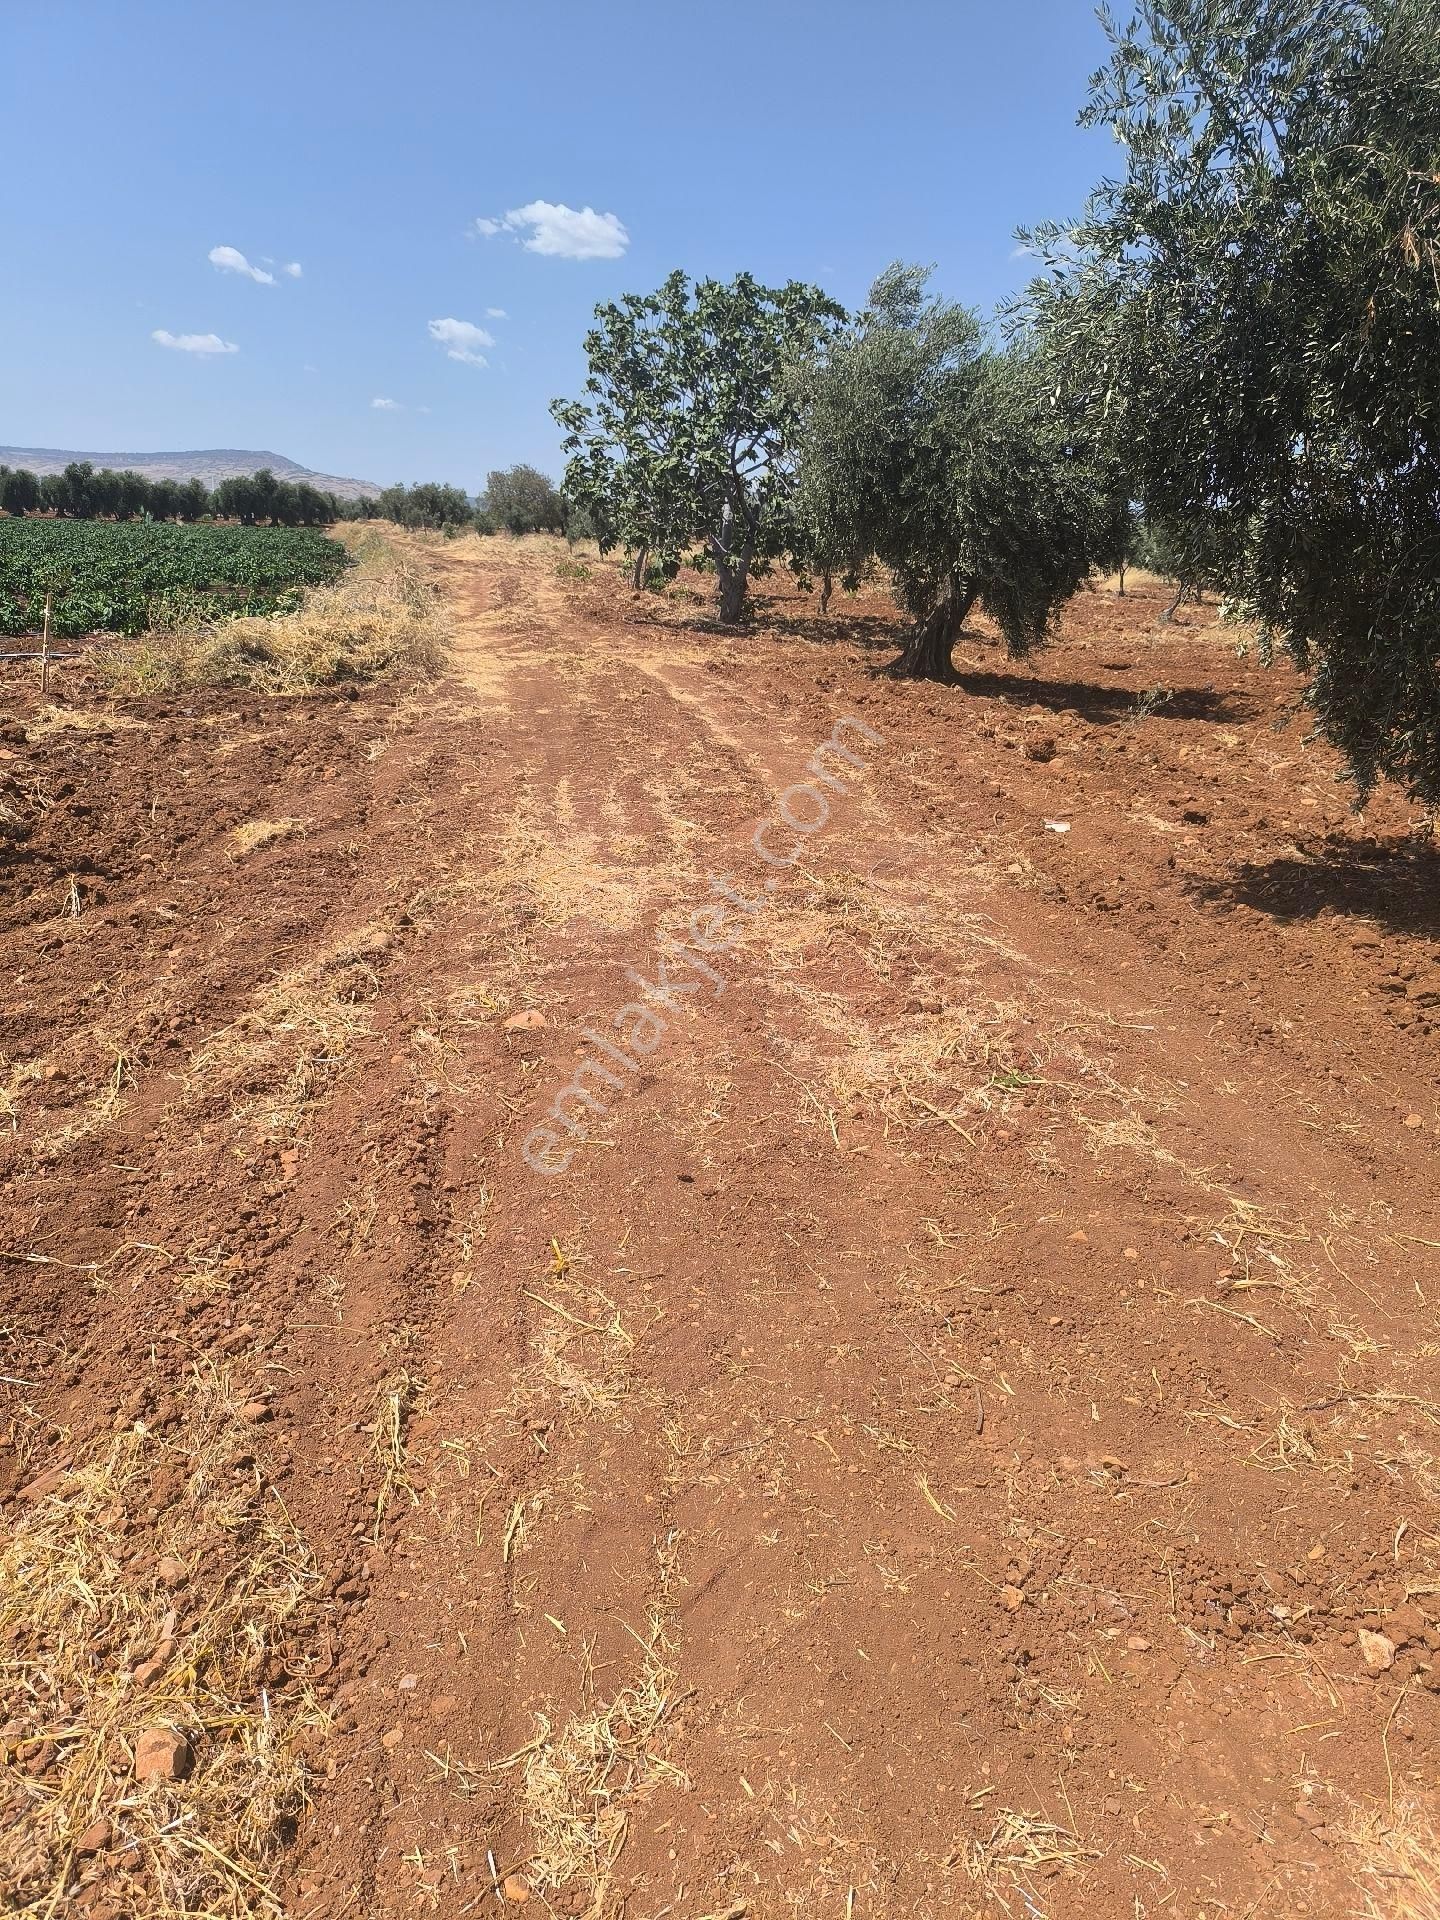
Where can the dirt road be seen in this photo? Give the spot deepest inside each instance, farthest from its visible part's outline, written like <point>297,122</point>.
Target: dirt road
<point>906,1386</point>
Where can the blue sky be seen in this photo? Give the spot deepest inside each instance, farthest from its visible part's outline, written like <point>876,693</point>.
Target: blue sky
<point>363,141</point>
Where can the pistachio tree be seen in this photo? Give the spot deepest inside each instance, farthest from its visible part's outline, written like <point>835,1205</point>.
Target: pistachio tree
<point>685,435</point>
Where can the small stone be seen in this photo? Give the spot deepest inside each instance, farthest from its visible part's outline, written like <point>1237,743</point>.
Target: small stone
<point>1132,1253</point>
<point>255,1411</point>
<point>442,1704</point>
<point>524,1022</point>
<point>1080,1238</point>
<point>392,1739</point>
<point>43,1484</point>
<point>408,1682</point>
<point>1378,1650</point>
<point>516,1889</point>
<point>1413,1120</point>
<point>170,1572</point>
<point>1012,1598</point>
<point>1137,1643</point>
<point>162,1754</point>
<point>95,1838</point>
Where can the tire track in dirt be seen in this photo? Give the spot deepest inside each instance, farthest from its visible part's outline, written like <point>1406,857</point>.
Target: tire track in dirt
<point>589,1523</point>
<point>945,1433</point>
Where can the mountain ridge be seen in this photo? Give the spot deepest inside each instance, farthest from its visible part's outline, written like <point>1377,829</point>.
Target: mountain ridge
<point>208,464</point>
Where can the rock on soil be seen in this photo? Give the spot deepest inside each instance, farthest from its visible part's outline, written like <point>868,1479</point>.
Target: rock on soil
<point>162,1754</point>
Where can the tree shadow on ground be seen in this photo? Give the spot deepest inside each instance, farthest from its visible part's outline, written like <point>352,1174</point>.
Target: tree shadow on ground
<point>1104,706</point>
<point>1395,884</point>
<point>838,628</point>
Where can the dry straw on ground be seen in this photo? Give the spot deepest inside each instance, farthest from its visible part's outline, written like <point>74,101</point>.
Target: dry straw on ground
<point>1019,1847</point>
<point>156,1587</point>
<point>277,1058</point>
<point>579,1785</point>
<point>382,616</point>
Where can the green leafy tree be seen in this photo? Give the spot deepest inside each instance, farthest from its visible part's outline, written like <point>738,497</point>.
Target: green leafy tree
<point>193,501</point>
<point>686,433</point>
<point>437,506</point>
<point>238,499</point>
<point>134,495</point>
<point>951,464</point>
<point>20,491</point>
<point>78,494</point>
<point>1253,308</point>
<point>1190,552</point>
<point>518,500</point>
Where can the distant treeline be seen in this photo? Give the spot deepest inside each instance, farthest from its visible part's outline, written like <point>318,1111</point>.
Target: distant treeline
<point>519,500</point>
<point>82,492</point>
<point>516,500</point>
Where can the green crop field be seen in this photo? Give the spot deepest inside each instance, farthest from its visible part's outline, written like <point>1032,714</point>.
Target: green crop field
<point>121,577</point>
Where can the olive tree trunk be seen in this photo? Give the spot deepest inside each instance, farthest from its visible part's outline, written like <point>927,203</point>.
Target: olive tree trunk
<point>928,651</point>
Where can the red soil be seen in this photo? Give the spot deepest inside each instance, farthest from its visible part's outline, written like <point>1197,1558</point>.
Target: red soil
<point>938,1445</point>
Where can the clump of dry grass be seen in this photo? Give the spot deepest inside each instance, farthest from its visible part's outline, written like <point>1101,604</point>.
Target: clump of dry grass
<point>579,1786</point>
<point>397,1401</point>
<point>1021,1845</point>
<point>121,1610</point>
<point>381,616</point>
<point>252,834</point>
<point>277,1057</point>
<point>1397,1865</point>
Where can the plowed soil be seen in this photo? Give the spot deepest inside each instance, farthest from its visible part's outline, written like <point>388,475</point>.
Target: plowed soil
<point>943,1420</point>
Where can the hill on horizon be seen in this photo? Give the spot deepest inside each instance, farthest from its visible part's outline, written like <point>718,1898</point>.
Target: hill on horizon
<point>210,465</point>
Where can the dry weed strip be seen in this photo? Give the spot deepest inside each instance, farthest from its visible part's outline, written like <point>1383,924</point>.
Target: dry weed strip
<point>152,1597</point>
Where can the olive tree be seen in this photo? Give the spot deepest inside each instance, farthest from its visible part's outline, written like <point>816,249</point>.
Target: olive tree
<point>520,499</point>
<point>950,462</point>
<point>1253,309</point>
<point>685,435</point>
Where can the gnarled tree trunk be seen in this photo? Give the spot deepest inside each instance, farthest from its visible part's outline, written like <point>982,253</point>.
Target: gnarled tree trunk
<point>927,654</point>
<point>637,571</point>
<point>827,587</point>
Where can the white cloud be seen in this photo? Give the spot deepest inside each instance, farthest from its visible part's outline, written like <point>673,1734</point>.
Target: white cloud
<point>193,342</point>
<point>386,406</point>
<point>293,268</point>
<point>462,340</point>
<point>231,260</point>
<point>496,313</point>
<point>565,233</point>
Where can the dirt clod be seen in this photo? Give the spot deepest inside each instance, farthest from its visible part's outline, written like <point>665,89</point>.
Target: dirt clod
<point>1378,1650</point>
<point>162,1754</point>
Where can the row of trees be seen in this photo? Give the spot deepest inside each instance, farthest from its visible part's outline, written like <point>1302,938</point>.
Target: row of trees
<point>1237,343</point>
<point>82,492</point>
<point>757,423</point>
<point>518,500</point>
